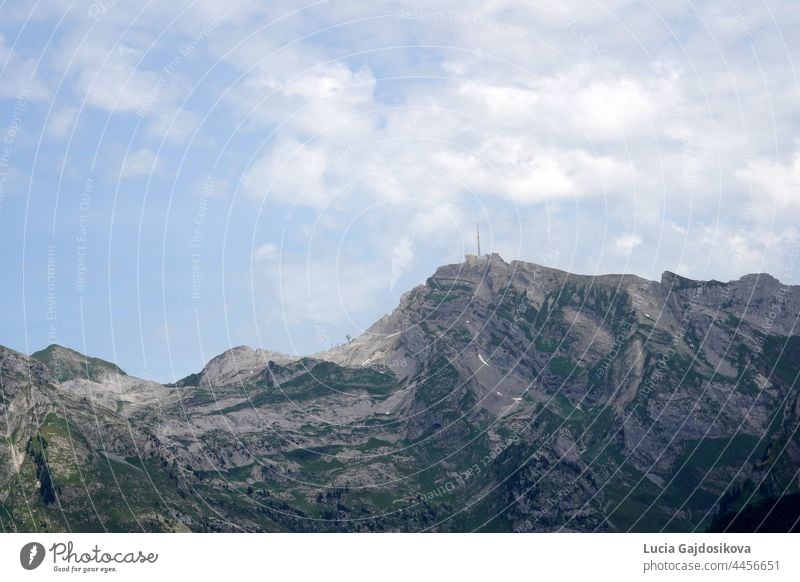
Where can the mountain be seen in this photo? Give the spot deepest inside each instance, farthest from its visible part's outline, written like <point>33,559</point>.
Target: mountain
<point>496,397</point>
<point>67,364</point>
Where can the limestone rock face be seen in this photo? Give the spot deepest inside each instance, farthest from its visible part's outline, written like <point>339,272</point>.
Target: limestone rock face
<point>238,365</point>
<point>499,396</point>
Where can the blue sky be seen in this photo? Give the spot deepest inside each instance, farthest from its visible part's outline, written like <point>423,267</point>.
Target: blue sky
<point>177,178</point>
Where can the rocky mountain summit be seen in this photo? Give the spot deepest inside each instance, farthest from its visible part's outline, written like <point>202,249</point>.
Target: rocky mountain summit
<point>496,397</point>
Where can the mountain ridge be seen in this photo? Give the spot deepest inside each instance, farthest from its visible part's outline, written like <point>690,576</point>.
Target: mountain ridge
<point>667,278</point>
<point>496,397</point>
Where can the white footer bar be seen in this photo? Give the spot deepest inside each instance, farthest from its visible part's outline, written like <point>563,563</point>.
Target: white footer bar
<point>415,557</point>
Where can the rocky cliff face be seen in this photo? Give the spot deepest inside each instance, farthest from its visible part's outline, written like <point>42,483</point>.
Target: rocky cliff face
<point>497,396</point>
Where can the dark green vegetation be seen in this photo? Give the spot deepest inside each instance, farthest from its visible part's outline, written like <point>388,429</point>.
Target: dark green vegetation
<point>67,364</point>
<point>497,397</point>
<point>771,514</point>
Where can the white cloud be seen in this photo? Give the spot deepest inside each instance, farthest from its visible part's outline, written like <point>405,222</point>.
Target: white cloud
<point>111,80</point>
<point>20,79</point>
<point>402,257</point>
<point>175,127</point>
<point>291,172</point>
<point>140,162</point>
<point>613,110</point>
<point>521,170</point>
<point>563,141</point>
<point>580,103</point>
<point>322,98</point>
<point>266,252</point>
<point>625,244</point>
<point>318,289</point>
<point>777,184</point>
<point>61,122</point>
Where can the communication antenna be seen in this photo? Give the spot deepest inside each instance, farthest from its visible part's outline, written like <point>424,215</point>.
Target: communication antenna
<point>478,230</point>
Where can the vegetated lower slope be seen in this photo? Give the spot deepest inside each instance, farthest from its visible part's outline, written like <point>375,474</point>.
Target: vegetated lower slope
<point>496,397</point>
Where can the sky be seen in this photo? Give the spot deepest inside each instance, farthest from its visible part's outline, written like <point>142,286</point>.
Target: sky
<point>178,178</point>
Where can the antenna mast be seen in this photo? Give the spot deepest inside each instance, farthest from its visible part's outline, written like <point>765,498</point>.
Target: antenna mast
<point>478,230</point>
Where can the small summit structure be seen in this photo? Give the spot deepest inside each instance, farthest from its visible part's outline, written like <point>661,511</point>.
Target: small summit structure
<point>478,259</point>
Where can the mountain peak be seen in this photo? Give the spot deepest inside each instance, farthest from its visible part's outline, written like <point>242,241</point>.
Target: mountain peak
<point>669,278</point>
<point>68,364</point>
<point>235,366</point>
<point>484,363</point>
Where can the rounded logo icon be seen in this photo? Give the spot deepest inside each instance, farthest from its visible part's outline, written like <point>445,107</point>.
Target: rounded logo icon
<point>31,555</point>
